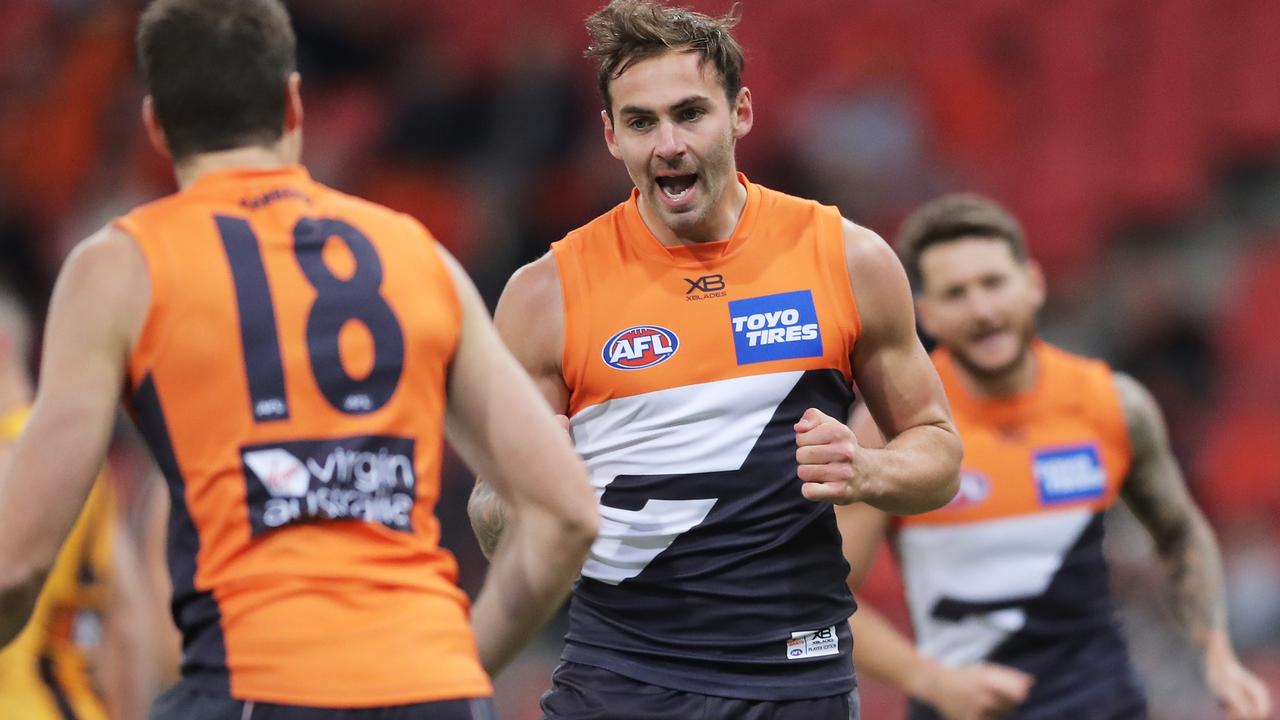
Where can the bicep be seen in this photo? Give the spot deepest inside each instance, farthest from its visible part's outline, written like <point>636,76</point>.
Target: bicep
<point>93,316</point>
<point>897,379</point>
<point>1154,488</point>
<point>496,415</point>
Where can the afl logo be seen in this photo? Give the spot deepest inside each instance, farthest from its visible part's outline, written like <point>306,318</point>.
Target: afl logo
<point>641,346</point>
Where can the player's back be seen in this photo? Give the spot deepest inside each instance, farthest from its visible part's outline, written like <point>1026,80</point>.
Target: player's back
<point>290,380</point>
<point>1012,570</point>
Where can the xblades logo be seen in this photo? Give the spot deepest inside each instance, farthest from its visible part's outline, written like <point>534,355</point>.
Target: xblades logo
<point>707,286</point>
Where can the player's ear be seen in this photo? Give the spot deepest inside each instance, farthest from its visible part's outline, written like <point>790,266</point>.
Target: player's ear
<point>610,137</point>
<point>743,114</point>
<point>293,103</point>
<point>1035,280</point>
<point>155,133</point>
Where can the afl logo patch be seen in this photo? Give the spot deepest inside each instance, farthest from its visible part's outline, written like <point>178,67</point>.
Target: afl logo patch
<point>639,347</point>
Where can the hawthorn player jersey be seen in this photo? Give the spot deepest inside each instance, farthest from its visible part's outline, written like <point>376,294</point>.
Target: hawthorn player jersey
<point>1012,570</point>
<point>46,673</point>
<point>687,369</point>
<point>290,380</point>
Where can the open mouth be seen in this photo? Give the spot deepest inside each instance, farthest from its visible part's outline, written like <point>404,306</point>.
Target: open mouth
<point>676,187</point>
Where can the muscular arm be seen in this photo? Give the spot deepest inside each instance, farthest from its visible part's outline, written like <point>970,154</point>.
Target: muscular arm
<point>502,428</point>
<point>917,469</point>
<point>97,310</point>
<point>1154,490</point>
<point>530,320</point>
<point>1156,493</point>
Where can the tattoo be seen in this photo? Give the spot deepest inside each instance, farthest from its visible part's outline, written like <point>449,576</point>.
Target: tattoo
<point>1157,495</point>
<point>488,517</point>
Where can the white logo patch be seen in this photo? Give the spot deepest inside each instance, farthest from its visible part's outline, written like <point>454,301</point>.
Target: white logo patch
<point>813,643</point>
<point>280,472</point>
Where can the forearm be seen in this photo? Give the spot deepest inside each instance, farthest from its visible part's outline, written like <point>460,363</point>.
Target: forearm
<point>883,653</point>
<point>488,517</point>
<point>529,577</point>
<point>916,472</point>
<point>1195,582</point>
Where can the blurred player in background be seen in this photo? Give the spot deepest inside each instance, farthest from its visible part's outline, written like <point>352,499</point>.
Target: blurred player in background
<point>1007,585</point>
<point>695,335</point>
<point>292,356</point>
<point>84,653</point>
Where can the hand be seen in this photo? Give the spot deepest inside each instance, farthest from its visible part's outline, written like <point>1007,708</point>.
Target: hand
<point>1240,693</point>
<point>983,691</point>
<point>828,457</point>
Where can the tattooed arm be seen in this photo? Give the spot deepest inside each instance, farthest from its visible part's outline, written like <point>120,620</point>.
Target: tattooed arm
<point>1157,495</point>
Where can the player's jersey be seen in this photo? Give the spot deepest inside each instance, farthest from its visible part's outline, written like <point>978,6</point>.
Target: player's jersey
<point>290,380</point>
<point>46,673</point>
<point>1012,570</point>
<point>687,368</point>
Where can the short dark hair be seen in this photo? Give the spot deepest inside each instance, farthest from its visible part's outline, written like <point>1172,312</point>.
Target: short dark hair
<point>217,71</point>
<point>625,31</point>
<point>952,217</point>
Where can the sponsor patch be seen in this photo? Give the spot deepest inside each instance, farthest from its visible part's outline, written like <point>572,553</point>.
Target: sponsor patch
<point>974,488</point>
<point>1071,473</point>
<point>775,327</point>
<point>369,478</point>
<point>639,347</point>
<point>813,643</point>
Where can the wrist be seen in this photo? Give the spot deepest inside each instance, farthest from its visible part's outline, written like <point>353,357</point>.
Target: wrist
<point>922,679</point>
<point>1216,648</point>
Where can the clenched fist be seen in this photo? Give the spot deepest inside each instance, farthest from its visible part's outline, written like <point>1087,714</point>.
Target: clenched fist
<point>830,461</point>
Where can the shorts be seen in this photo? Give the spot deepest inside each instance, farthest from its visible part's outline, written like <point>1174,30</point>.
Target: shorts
<point>184,703</point>
<point>585,692</point>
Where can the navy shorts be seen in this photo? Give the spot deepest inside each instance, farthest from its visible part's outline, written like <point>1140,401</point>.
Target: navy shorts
<point>585,692</point>
<point>185,703</point>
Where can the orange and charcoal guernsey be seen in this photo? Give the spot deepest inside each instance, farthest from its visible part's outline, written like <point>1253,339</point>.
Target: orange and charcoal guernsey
<point>688,368</point>
<point>1012,571</point>
<point>290,381</point>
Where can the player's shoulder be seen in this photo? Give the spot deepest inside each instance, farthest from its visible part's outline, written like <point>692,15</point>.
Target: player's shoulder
<point>535,286</point>
<point>1078,367</point>
<point>354,207</point>
<point>110,253</point>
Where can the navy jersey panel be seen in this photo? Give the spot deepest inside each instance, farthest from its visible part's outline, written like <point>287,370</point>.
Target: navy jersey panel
<point>751,602</point>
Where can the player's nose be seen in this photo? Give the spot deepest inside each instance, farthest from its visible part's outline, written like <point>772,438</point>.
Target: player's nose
<point>670,146</point>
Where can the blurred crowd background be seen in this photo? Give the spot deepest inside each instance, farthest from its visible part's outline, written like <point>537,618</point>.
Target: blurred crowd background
<point>1138,140</point>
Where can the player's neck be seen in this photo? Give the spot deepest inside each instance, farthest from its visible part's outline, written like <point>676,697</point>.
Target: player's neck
<point>197,166</point>
<point>719,224</point>
<point>1018,379</point>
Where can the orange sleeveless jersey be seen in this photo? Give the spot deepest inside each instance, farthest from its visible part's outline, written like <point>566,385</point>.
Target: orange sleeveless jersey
<point>615,275</point>
<point>687,368</point>
<point>1019,549</point>
<point>290,380</point>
